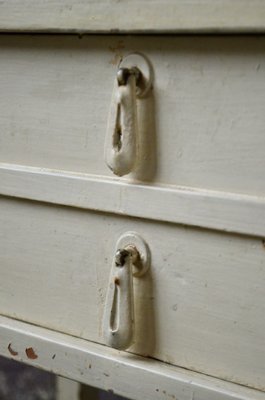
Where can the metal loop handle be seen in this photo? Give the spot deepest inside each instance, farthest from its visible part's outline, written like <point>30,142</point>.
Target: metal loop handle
<point>118,321</point>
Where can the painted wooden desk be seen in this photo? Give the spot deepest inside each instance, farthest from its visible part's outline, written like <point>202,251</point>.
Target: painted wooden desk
<point>122,154</point>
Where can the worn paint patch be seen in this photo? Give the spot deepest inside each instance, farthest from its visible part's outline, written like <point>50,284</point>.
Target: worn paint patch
<point>117,281</point>
<point>117,50</point>
<point>11,351</point>
<point>31,353</point>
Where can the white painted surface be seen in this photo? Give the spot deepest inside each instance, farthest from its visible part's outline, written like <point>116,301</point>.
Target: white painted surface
<point>127,375</point>
<point>201,305</point>
<point>209,209</point>
<point>203,127</point>
<point>133,16</point>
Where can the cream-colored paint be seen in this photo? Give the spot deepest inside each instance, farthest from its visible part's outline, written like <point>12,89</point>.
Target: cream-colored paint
<point>131,376</point>
<point>200,306</point>
<point>203,126</point>
<point>122,129</point>
<point>222,211</point>
<point>146,16</point>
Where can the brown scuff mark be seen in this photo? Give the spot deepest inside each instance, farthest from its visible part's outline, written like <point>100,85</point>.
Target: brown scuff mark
<point>117,50</point>
<point>31,353</point>
<point>11,351</point>
<point>263,243</point>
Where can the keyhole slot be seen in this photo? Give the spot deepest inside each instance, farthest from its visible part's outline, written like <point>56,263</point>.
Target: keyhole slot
<point>115,312</point>
<point>117,137</point>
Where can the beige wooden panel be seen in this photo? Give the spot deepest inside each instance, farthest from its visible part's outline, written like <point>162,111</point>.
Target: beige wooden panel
<point>133,15</point>
<point>202,127</point>
<point>133,377</point>
<point>229,212</point>
<point>201,306</point>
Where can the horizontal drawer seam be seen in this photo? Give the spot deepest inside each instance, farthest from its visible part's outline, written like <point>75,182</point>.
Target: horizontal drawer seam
<point>229,212</point>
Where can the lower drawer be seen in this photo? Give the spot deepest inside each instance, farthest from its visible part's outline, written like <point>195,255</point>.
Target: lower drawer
<point>200,306</point>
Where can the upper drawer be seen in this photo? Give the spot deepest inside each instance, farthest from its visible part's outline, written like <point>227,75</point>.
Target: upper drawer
<point>202,125</point>
<point>133,16</point>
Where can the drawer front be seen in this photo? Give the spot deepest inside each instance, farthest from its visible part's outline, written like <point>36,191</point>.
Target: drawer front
<point>201,130</point>
<point>148,16</point>
<point>200,306</point>
<point>202,126</point>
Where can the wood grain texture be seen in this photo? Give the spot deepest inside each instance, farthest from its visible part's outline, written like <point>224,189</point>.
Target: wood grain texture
<point>203,127</point>
<point>228,212</point>
<point>147,16</point>
<point>118,372</point>
<point>201,306</point>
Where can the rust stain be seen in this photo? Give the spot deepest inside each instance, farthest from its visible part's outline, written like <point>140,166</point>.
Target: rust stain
<point>11,351</point>
<point>31,353</point>
<point>117,50</point>
<point>117,281</point>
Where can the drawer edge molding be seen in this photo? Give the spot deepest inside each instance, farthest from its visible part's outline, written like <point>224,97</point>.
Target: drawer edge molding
<point>135,17</point>
<point>223,211</point>
<point>97,365</point>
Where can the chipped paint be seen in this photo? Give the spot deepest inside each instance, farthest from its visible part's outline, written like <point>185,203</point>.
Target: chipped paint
<point>11,351</point>
<point>117,281</point>
<point>117,50</point>
<point>31,353</point>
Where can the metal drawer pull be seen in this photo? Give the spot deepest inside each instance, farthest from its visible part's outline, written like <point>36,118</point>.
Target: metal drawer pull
<point>121,144</point>
<point>131,258</point>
